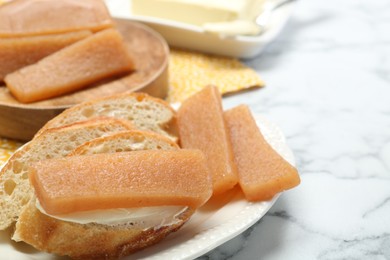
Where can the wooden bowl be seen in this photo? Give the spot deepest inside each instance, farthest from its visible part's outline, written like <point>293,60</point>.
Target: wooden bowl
<point>149,51</point>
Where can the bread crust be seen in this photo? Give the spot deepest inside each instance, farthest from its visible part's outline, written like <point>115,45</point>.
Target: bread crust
<point>131,140</point>
<point>91,241</point>
<point>125,105</point>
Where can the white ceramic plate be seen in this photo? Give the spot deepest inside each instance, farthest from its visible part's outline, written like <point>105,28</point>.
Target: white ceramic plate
<point>218,221</point>
<point>195,38</point>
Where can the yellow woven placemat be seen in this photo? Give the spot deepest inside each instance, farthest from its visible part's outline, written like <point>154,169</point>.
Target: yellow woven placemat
<point>188,73</point>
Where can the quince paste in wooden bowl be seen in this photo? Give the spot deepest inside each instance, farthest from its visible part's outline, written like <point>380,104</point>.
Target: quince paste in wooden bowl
<point>147,49</point>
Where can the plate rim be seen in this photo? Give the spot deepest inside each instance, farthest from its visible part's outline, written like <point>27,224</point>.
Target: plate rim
<point>275,137</point>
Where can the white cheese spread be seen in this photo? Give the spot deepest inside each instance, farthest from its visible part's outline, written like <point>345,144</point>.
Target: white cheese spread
<point>147,217</point>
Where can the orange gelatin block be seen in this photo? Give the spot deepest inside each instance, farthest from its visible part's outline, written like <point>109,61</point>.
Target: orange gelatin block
<point>19,52</point>
<point>122,180</point>
<point>33,17</point>
<point>262,171</point>
<point>201,126</point>
<point>96,57</point>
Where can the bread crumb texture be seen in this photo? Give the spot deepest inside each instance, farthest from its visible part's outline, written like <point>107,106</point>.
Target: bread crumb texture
<point>189,72</point>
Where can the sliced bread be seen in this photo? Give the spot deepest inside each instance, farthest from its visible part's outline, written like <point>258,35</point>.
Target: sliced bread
<point>15,189</point>
<point>98,241</point>
<point>88,241</point>
<point>132,140</point>
<point>144,111</point>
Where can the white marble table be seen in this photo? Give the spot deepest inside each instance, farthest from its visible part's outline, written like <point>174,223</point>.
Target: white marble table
<point>328,88</point>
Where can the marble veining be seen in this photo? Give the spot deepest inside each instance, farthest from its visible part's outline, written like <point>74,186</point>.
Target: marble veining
<point>328,88</point>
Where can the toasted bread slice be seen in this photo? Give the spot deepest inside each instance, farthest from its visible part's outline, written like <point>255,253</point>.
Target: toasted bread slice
<point>145,113</point>
<point>88,241</point>
<point>97,241</point>
<point>15,189</point>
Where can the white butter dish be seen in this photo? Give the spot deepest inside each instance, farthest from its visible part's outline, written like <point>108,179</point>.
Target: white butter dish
<point>194,37</point>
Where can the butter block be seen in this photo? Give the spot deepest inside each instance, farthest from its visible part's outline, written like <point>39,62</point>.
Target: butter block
<point>194,12</point>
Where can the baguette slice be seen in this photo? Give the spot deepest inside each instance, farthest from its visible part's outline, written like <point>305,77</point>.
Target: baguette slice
<point>145,113</point>
<point>15,189</point>
<point>88,241</point>
<point>91,241</point>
